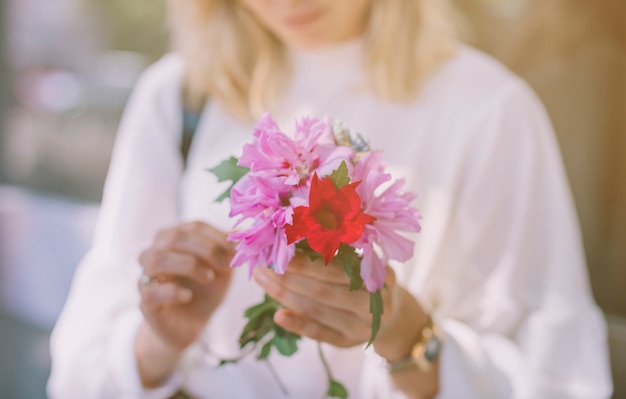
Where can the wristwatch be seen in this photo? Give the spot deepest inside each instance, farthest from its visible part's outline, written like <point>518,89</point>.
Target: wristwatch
<point>424,353</point>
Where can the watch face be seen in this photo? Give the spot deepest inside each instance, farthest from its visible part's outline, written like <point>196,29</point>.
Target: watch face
<point>432,347</point>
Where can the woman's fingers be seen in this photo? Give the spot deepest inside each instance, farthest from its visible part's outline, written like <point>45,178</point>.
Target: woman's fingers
<point>309,327</point>
<point>332,273</point>
<point>337,295</point>
<point>154,295</point>
<point>200,240</point>
<point>194,251</point>
<point>330,294</point>
<point>186,275</point>
<point>323,310</point>
<point>330,315</point>
<point>160,262</point>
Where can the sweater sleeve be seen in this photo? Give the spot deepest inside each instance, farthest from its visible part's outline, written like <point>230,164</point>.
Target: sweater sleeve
<point>520,320</point>
<point>92,342</point>
<point>507,280</point>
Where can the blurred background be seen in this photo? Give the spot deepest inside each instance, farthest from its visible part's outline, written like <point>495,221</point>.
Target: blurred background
<point>67,67</point>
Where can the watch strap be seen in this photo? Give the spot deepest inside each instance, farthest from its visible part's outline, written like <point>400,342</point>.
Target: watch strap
<point>424,352</point>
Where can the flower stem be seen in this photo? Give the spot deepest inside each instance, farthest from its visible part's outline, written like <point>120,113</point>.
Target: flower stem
<point>277,378</point>
<point>324,362</point>
<point>335,388</point>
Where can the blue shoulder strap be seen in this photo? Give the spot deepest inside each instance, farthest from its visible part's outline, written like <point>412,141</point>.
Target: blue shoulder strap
<point>191,120</point>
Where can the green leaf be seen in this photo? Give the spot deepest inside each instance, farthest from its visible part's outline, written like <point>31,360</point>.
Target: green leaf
<point>267,305</point>
<point>351,263</point>
<point>226,361</point>
<point>337,390</point>
<point>265,351</point>
<point>304,248</point>
<point>225,194</point>
<point>253,311</point>
<point>255,330</point>
<point>260,321</point>
<point>256,322</point>
<point>284,333</point>
<point>285,343</point>
<point>340,176</point>
<point>376,309</point>
<point>228,170</point>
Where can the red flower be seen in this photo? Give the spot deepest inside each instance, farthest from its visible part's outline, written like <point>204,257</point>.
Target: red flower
<point>333,216</point>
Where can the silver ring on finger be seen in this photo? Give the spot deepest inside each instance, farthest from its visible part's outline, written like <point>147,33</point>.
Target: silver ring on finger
<point>145,279</point>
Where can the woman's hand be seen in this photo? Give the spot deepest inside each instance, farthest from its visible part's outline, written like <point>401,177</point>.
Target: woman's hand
<point>188,274</point>
<point>320,304</point>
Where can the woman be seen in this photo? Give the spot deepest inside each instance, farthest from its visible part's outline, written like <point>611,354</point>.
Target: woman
<point>499,265</point>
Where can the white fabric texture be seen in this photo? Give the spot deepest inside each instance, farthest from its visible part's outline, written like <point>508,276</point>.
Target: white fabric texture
<point>499,261</point>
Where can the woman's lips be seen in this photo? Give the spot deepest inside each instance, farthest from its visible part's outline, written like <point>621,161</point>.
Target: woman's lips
<point>302,19</point>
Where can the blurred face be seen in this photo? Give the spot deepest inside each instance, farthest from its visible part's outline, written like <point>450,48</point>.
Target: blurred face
<point>307,24</point>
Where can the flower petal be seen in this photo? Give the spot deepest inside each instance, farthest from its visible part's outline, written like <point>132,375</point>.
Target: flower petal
<point>373,269</point>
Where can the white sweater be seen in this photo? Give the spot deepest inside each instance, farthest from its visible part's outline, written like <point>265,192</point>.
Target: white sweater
<point>499,261</point>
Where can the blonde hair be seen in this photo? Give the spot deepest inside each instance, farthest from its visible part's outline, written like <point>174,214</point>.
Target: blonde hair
<point>231,57</point>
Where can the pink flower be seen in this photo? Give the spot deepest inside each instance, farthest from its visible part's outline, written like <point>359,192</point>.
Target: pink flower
<point>265,200</point>
<point>263,244</point>
<point>394,215</point>
<point>254,194</point>
<point>373,269</point>
<point>282,253</point>
<point>312,132</point>
<point>313,149</point>
<point>318,150</point>
<point>254,245</point>
<point>272,152</point>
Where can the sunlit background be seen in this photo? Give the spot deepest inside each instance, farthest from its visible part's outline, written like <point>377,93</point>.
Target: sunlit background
<point>67,67</point>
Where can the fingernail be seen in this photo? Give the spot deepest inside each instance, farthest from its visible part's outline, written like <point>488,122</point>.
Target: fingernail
<point>226,257</point>
<point>210,275</point>
<point>283,318</point>
<point>260,276</point>
<point>224,261</point>
<point>185,295</point>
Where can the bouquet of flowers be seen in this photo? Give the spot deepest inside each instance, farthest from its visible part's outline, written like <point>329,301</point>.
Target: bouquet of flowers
<point>324,193</point>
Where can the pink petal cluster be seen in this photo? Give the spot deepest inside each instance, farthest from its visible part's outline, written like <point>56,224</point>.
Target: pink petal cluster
<point>312,149</point>
<point>281,169</point>
<point>394,215</point>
